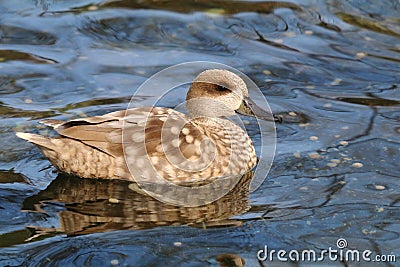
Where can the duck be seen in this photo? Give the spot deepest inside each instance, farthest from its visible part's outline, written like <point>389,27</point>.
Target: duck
<point>154,143</point>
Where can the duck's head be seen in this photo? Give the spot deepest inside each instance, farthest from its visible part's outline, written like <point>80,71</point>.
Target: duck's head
<point>220,93</point>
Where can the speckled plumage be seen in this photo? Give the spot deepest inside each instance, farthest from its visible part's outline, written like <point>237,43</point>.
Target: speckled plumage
<point>158,141</point>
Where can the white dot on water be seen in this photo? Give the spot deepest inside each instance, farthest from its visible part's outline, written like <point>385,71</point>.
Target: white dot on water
<point>357,165</point>
<point>380,209</point>
<point>267,72</point>
<point>360,55</point>
<point>114,262</point>
<point>380,187</point>
<point>344,143</point>
<point>336,81</point>
<point>314,155</point>
<point>93,8</point>
<point>290,34</point>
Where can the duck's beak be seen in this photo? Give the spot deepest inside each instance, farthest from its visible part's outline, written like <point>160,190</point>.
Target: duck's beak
<point>249,108</point>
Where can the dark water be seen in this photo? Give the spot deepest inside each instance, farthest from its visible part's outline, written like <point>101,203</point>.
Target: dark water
<point>331,65</point>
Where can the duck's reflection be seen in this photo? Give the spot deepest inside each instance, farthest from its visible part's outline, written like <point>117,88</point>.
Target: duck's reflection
<point>91,205</point>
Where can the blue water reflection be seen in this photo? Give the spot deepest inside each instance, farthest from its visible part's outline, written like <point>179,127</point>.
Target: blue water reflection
<point>330,67</point>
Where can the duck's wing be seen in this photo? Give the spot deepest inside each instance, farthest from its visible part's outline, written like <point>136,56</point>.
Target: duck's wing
<point>162,131</point>
<point>100,132</point>
<point>151,131</point>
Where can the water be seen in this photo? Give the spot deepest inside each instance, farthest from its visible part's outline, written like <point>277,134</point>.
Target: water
<point>331,67</point>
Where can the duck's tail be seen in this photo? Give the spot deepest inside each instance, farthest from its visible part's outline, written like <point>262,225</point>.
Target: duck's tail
<point>37,140</point>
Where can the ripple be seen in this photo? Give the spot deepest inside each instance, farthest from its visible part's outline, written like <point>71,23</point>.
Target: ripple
<point>11,112</point>
<point>370,101</point>
<point>330,68</point>
<point>367,24</point>
<point>204,5</point>
<point>9,55</point>
<point>8,86</point>
<point>16,35</point>
<point>9,176</point>
<point>166,30</point>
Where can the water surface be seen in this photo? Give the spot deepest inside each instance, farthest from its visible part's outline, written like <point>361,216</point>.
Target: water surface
<point>331,67</point>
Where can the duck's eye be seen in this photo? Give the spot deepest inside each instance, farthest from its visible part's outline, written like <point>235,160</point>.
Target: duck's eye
<point>221,88</point>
